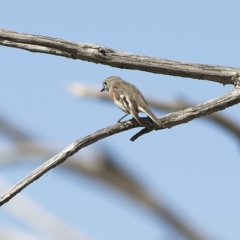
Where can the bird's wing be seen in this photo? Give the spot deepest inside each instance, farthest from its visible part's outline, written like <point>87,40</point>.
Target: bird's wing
<point>126,101</point>
<point>118,93</point>
<point>139,95</point>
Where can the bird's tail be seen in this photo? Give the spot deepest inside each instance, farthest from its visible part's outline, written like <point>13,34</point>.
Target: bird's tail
<point>152,116</point>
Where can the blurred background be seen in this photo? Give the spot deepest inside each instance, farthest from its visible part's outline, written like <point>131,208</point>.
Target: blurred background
<point>116,189</point>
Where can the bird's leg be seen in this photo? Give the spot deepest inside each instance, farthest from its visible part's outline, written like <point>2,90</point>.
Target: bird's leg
<point>122,117</point>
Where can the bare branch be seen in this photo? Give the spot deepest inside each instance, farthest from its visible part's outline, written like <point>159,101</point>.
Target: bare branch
<point>107,56</point>
<point>197,111</point>
<point>233,127</point>
<point>169,120</point>
<point>105,169</point>
<point>99,54</point>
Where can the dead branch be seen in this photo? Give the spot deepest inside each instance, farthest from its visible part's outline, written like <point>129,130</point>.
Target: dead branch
<point>80,90</point>
<point>169,120</point>
<point>99,54</point>
<point>104,169</point>
<point>107,56</point>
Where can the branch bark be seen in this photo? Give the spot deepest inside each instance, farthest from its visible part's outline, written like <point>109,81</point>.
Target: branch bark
<point>107,56</point>
<point>169,120</point>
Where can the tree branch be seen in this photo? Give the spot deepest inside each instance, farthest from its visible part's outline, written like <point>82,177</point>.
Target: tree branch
<point>197,111</point>
<point>107,56</point>
<point>105,169</point>
<point>80,90</point>
<point>169,120</point>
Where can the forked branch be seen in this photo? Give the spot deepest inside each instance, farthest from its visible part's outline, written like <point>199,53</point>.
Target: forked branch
<point>224,121</point>
<point>169,120</point>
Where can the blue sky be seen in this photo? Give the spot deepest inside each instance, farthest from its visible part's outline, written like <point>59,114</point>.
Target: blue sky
<point>194,167</point>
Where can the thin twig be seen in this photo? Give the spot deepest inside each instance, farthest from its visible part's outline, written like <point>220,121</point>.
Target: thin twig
<point>107,56</point>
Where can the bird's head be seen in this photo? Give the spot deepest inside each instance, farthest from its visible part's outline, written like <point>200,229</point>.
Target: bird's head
<point>107,83</point>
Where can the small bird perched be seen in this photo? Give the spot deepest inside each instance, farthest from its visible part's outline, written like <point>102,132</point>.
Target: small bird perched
<point>129,99</point>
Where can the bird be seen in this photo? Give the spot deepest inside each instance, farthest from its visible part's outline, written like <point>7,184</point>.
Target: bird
<point>129,99</point>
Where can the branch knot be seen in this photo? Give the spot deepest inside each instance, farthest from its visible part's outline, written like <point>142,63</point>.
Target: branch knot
<point>236,80</point>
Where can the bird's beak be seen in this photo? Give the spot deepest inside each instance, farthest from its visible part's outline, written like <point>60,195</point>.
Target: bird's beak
<point>102,90</point>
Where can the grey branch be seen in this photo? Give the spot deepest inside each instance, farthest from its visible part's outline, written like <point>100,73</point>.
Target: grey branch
<point>107,56</point>
<point>104,169</point>
<point>233,127</point>
<point>169,120</point>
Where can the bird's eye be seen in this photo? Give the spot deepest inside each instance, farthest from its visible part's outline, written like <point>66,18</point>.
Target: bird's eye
<point>105,83</point>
